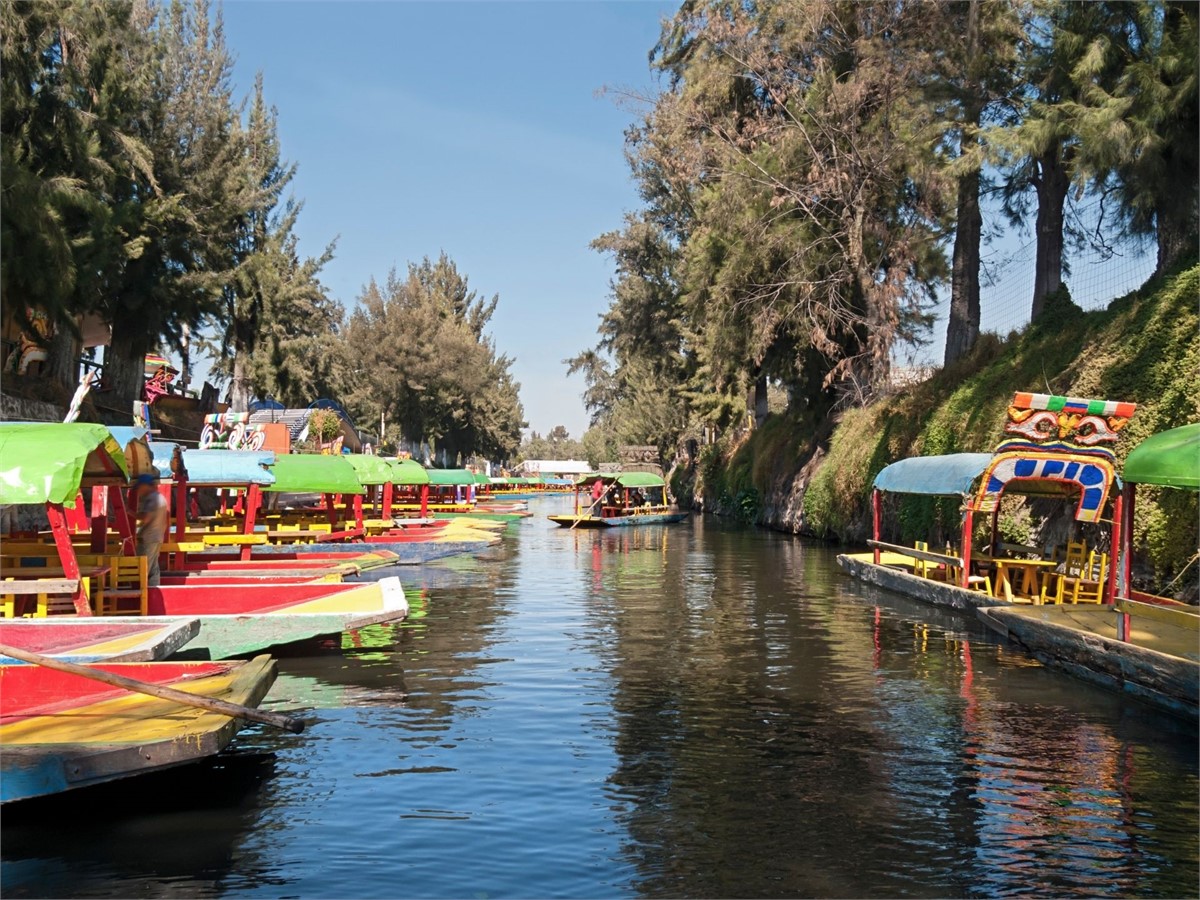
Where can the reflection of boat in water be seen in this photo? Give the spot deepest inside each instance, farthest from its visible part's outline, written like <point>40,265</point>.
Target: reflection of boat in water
<point>61,732</point>
<point>357,668</point>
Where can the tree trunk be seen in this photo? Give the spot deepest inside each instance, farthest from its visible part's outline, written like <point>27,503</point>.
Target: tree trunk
<point>1176,238</point>
<point>1052,186</point>
<point>962,331</point>
<point>761,407</point>
<point>239,389</point>
<point>185,358</point>
<point>62,361</point>
<point>124,371</point>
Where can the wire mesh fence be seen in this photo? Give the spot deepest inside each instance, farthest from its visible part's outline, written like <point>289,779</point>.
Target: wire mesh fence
<point>1099,268</point>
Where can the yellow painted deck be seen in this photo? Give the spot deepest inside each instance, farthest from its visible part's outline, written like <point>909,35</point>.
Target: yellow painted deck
<point>138,718</point>
<point>120,645</point>
<point>364,598</point>
<point>1164,637</point>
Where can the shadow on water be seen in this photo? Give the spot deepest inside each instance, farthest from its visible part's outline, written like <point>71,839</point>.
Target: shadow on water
<point>151,835</point>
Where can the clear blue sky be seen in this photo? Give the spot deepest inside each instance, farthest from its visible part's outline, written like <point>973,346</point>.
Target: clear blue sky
<point>472,128</point>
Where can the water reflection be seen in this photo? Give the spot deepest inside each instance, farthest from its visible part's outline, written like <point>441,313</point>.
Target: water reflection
<point>778,734</point>
<point>694,710</point>
<point>142,837</point>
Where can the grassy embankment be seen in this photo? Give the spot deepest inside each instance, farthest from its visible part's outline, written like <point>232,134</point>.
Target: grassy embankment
<point>1144,348</point>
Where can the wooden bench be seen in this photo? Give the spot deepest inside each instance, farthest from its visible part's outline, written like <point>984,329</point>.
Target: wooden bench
<point>914,553</point>
<point>1171,615</point>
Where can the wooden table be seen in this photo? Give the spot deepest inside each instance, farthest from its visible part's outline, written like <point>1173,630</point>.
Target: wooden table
<point>1027,569</point>
<point>232,539</point>
<point>295,537</point>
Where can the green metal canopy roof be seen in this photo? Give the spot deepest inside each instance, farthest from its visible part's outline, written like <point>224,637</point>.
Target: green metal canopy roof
<point>408,471</point>
<point>625,479</point>
<point>640,479</point>
<point>1170,458</point>
<point>369,469</point>
<point>48,462</point>
<point>481,478</point>
<point>308,473</point>
<point>450,476</point>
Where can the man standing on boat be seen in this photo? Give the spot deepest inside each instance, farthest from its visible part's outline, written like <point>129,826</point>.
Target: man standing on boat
<point>152,525</point>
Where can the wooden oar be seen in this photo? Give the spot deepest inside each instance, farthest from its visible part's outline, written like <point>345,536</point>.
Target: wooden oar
<point>211,704</point>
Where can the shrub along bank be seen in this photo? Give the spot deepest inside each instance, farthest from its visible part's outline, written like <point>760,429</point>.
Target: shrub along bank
<point>815,478</point>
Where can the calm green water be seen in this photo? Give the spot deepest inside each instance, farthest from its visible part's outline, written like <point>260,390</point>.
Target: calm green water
<point>695,710</point>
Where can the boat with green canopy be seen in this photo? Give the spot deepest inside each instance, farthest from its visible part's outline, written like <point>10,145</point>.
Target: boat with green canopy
<point>620,499</point>
<point>75,571</point>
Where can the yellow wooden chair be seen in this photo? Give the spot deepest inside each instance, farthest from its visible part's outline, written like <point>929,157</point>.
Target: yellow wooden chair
<point>921,566</point>
<point>980,583</point>
<point>1088,585</point>
<point>1075,558</point>
<point>125,592</point>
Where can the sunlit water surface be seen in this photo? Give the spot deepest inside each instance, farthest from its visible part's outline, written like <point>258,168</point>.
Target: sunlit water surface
<point>694,710</point>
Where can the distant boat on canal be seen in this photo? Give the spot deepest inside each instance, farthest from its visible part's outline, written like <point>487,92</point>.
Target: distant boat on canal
<point>620,499</point>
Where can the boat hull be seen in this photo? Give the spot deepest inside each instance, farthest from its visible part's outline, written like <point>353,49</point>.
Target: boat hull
<point>59,732</point>
<point>245,619</point>
<point>618,521</point>
<point>936,593</point>
<point>407,554</point>
<point>1168,682</point>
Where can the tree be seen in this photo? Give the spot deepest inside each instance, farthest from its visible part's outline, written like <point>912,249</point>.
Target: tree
<point>175,224</point>
<point>416,350</point>
<point>977,77</point>
<point>271,298</point>
<point>793,208</point>
<point>1137,118</point>
<point>65,130</point>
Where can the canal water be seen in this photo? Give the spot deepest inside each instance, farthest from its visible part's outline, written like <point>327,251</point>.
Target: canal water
<point>696,710</point>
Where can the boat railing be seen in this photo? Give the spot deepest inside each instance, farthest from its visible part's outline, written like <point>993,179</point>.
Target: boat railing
<point>925,555</point>
<point>1176,615</point>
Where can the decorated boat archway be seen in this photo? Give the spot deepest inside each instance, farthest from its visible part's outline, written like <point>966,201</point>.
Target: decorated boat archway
<point>1053,446</point>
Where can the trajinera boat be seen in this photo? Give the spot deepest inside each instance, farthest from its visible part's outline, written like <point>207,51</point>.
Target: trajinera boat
<point>78,569</point>
<point>59,731</point>
<point>620,499</point>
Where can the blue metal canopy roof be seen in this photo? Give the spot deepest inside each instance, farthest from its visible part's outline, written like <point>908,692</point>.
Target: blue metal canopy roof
<point>126,433</point>
<point>943,476</point>
<point>232,468</point>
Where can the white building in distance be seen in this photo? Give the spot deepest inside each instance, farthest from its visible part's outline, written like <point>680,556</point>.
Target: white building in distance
<point>555,468</point>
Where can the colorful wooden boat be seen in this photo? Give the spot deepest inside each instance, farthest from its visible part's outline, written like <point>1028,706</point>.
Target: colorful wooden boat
<point>1054,447</point>
<point>1143,645</point>
<point>625,499</point>
<point>337,527</point>
<point>93,639</point>
<point>239,614</point>
<point>59,732</point>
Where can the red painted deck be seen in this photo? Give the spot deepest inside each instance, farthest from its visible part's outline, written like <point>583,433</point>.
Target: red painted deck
<point>27,691</point>
<point>50,638</point>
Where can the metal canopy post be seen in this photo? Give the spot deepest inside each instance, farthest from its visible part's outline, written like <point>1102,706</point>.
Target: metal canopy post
<point>875,515</point>
<point>968,527</point>
<point>66,554</point>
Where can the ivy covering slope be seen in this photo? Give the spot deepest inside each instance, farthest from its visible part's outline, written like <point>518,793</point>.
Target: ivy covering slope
<point>1143,348</point>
